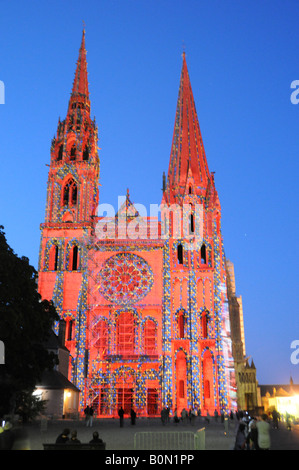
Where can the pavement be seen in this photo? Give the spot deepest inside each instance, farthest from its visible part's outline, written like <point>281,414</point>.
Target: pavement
<point>33,435</point>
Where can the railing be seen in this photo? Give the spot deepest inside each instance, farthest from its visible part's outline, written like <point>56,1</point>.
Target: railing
<point>172,440</point>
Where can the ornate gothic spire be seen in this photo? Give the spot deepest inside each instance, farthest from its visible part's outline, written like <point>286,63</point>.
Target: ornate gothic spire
<point>80,93</point>
<point>188,164</point>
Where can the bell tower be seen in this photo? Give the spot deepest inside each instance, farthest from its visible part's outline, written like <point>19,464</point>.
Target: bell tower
<point>70,217</point>
<point>196,343</point>
<point>74,170</point>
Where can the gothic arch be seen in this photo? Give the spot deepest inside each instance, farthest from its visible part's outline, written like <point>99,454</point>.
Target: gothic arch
<point>53,255</point>
<point>181,323</point>
<point>181,374</point>
<point>149,329</point>
<point>86,153</point>
<point>205,323</point>
<point>69,193</point>
<point>208,379</point>
<point>73,153</point>
<point>126,331</point>
<point>73,255</point>
<point>100,335</point>
<point>60,152</point>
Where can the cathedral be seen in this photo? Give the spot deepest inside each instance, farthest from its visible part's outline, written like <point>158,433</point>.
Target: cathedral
<point>144,300</point>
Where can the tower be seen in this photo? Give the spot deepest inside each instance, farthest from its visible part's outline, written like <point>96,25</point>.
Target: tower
<point>196,341</point>
<point>71,204</point>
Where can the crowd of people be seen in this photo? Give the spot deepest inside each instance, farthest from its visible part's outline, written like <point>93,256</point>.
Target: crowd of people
<point>253,433</point>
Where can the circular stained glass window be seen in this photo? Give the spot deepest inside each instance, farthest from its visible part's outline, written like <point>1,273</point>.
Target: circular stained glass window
<point>125,278</point>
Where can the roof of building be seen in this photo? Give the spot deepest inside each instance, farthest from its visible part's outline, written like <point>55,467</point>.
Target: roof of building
<point>55,380</point>
<point>53,342</point>
<point>279,389</point>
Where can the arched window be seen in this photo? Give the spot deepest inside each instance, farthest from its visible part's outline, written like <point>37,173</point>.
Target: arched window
<point>60,152</point>
<point>181,324</point>
<point>101,335</point>
<point>207,389</point>
<point>150,343</point>
<point>181,389</point>
<point>191,223</point>
<point>125,333</point>
<point>85,153</point>
<point>204,324</point>
<point>73,153</point>
<point>69,330</point>
<point>203,254</point>
<point>53,258</point>
<point>70,193</point>
<point>191,219</point>
<point>75,258</point>
<point>180,253</point>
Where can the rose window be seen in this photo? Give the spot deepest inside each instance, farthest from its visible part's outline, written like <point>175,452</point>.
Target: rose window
<point>125,278</point>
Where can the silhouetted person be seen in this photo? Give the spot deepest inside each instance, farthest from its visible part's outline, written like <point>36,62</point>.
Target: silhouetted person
<point>95,438</point>
<point>74,439</point>
<point>121,416</point>
<point>133,416</point>
<point>240,442</point>
<point>63,437</point>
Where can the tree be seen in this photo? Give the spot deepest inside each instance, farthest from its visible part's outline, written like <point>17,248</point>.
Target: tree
<point>25,324</point>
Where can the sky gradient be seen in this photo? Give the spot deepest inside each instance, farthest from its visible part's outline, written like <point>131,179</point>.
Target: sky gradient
<point>242,58</point>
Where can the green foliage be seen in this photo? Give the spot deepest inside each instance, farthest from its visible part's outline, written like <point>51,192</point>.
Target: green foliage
<point>25,324</point>
<point>29,406</point>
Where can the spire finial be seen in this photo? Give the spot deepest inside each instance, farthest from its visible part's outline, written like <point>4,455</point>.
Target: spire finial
<point>184,51</point>
<point>80,85</point>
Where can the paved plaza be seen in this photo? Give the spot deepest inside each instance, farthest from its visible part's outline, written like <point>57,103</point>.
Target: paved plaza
<point>32,436</point>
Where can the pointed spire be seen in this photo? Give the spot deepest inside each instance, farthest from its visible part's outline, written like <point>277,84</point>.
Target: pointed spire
<point>80,92</point>
<point>81,81</point>
<point>187,156</point>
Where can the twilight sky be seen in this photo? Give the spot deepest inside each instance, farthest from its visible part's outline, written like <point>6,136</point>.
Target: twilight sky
<point>242,58</point>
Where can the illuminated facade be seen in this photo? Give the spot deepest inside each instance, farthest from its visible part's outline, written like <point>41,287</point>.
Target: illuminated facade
<point>144,300</point>
<point>282,398</point>
<point>247,386</point>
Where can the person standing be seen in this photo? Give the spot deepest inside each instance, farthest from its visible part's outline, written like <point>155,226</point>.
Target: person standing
<point>121,417</point>
<point>252,438</point>
<point>263,433</point>
<point>133,417</point>
<point>86,412</point>
<point>240,442</point>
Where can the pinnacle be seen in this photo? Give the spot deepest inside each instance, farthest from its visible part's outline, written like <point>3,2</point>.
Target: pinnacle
<point>187,152</point>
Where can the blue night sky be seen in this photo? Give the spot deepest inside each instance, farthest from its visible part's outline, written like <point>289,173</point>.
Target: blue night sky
<point>242,58</point>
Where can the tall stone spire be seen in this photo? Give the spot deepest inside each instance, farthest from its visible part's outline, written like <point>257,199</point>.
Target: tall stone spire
<point>80,93</point>
<point>187,157</point>
<point>74,155</point>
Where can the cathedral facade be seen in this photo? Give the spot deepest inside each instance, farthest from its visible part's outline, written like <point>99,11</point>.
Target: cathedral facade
<point>144,299</point>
